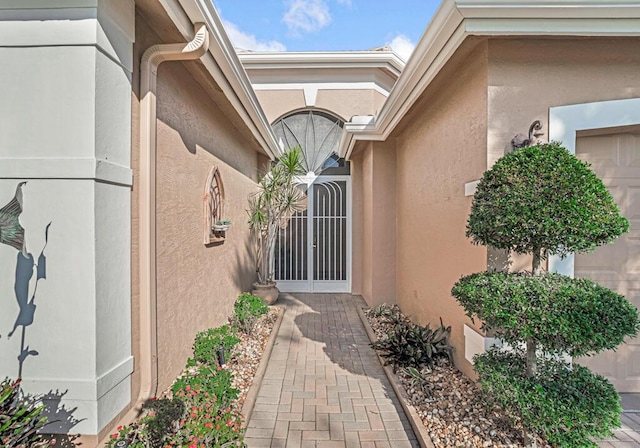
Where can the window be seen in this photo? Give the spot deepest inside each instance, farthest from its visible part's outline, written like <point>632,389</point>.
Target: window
<point>317,133</point>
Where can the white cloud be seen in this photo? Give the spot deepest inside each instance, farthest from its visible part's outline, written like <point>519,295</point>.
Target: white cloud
<point>246,41</point>
<point>307,15</point>
<point>402,45</point>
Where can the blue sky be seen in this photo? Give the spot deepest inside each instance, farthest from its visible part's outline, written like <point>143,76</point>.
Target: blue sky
<point>326,25</point>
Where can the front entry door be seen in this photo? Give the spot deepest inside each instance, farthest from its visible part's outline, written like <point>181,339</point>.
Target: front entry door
<point>313,252</point>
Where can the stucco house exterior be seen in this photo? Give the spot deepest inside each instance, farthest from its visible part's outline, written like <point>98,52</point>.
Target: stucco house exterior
<point>135,124</point>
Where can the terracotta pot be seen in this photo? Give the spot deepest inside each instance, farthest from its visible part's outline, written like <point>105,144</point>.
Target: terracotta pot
<point>268,292</point>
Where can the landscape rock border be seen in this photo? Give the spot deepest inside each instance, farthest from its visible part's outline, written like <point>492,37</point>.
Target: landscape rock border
<point>252,395</point>
<point>414,419</point>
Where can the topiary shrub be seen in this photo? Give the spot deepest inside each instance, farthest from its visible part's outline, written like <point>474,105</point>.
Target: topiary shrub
<point>565,406</point>
<point>542,200</point>
<point>574,316</point>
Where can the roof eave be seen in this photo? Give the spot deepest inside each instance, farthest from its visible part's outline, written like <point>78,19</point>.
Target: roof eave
<point>456,20</point>
<point>387,60</point>
<point>224,66</point>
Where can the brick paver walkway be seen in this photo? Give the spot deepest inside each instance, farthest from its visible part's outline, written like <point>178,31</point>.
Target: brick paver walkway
<point>628,436</point>
<point>324,386</point>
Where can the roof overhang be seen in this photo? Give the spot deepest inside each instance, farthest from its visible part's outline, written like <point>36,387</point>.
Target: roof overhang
<point>376,69</point>
<point>456,20</point>
<point>222,62</point>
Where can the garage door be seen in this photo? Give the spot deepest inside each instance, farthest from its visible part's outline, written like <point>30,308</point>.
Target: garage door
<point>616,160</point>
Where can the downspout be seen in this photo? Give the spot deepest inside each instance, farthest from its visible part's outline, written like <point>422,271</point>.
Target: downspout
<point>151,59</point>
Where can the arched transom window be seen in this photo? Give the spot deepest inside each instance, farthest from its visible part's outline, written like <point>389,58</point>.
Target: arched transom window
<point>317,133</point>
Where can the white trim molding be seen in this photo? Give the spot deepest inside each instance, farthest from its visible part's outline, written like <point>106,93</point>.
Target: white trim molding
<point>347,70</point>
<point>564,124</point>
<point>356,85</point>
<point>456,20</point>
<point>66,168</point>
<point>470,188</point>
<point>475,343</point>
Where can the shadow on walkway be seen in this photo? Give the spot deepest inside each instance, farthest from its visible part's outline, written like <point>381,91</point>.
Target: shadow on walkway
<point>324,385</point>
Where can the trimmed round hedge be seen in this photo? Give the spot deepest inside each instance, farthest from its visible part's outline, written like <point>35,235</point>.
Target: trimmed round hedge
<point>543,197</point>
<point>574,316</point>
<point>567,405</point>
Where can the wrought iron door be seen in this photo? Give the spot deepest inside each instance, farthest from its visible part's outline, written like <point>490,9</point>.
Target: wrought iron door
<point>314,250</point>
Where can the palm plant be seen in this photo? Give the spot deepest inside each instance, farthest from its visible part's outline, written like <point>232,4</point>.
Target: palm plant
<point>277,199</point>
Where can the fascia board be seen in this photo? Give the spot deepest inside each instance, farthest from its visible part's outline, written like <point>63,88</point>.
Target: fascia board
<point>224,66</point>
<point>441,39</point>
<point>456,20</point>
<point>553,27</point>
<point>334,60</point>
<point>549,9</point>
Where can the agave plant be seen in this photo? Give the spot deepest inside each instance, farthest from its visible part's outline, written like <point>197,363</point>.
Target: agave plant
<point>277,199</point>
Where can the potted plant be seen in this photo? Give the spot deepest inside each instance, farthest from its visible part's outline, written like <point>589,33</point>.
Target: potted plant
<point>277,199</point>
<point>221,225</point>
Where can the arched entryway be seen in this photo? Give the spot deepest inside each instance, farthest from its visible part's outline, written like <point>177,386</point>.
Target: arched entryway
<point>313,253</point>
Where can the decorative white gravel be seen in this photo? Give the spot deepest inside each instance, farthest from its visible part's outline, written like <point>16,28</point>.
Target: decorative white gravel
<point>452,410</point>
<point>246,356</point>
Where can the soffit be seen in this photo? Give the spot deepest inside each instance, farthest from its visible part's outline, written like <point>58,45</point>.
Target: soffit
<point>346,70</point>
<point>457,20</point>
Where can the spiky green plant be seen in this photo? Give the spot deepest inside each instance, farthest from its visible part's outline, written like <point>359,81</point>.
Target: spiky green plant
<point>277,199</point>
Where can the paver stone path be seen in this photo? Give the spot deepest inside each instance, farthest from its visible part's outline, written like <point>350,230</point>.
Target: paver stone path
<point>324,386</point>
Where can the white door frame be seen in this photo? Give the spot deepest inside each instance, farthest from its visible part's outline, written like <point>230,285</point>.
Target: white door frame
<point>322,286</point>
<point>564,124</point>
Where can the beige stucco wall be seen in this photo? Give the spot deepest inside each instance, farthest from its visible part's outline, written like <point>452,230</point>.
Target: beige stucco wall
<point>347,103</point>
<point>357,213</point>
<point>278,103</point>
<point>197,285</point>
<point>374,236</point>
<point>441,145</point>
<point>528,76</point>
<point>342,103</point>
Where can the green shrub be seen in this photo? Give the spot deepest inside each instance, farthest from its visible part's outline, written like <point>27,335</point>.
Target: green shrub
<point>200,413</point>
<point>19,420</point>
<point>209,397</point>
<point>247,309</point>
<point>543,197</point>
<point>162,420</point>
<point>207,343</point>
<point>541,201</point>
<point>564,315</point>
<point>567,406</point>
<point>214,383</point>
<point>410,345</point>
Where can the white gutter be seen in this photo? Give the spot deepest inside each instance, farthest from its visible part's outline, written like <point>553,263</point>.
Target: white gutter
<point>387,60</point>
<point>151,59</point>
<point>456,20</point>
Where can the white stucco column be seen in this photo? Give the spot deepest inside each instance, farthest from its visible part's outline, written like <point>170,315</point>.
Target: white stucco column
<point>65,129</point>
